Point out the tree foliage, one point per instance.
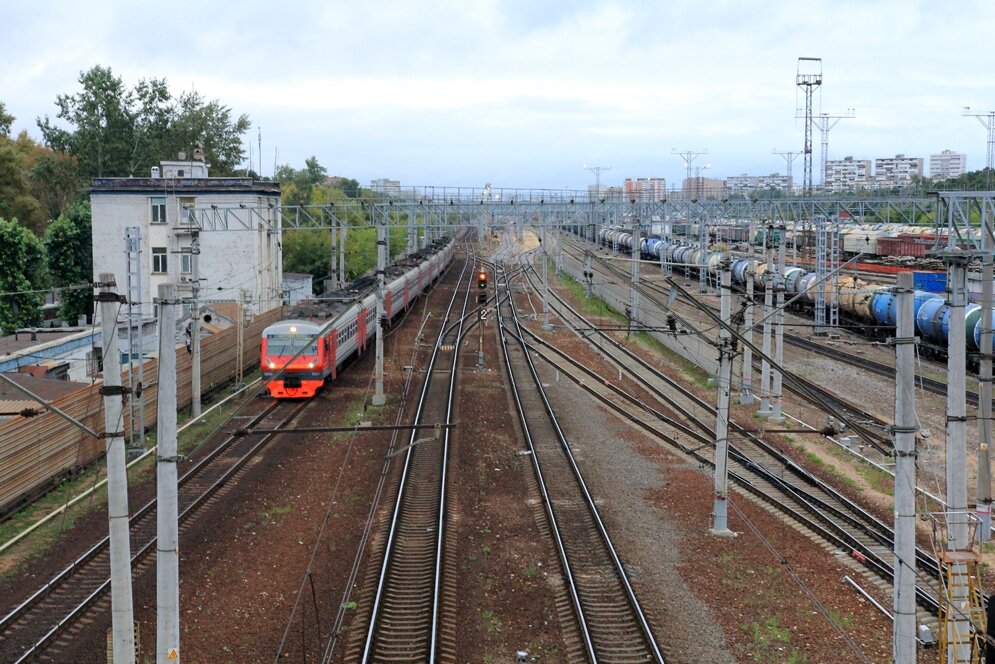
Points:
(17, 199)
(69, 248)
(6, 120)
(22, 258)
(116, 131)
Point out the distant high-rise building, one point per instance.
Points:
(745, 184)
(386, 187)
(847, 174)
(702, 188)
(897, 171)
(948, 164)
(597, 191)
(646, 189)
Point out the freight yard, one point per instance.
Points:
(583, 452)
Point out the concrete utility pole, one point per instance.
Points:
(720, 510)
(195, 325)
(904, 595)
(746, 393)
(378, 394)
(983, 502)
(588, 274)
(545, 274)
(768, 315)
(634, 293)
(776, 416)
(167, 566)
(343, 233)
(122, 614)
(333, 255)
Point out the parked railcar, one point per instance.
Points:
(301, 354)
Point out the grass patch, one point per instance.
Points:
(770, 641)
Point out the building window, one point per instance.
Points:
(187, 204)
(186, 260)
(158, 209)
(159, 260)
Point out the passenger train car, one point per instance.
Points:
(299, 354)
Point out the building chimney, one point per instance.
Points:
(198, 153)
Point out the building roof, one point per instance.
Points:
(46, 388)
(180, 186)
(22, 339)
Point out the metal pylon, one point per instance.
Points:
(821, 273)
(833, 266)
(136, 343)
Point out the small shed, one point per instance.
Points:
(297, 287)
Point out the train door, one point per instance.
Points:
(361, 331)
(388, 305)
(407, 293)
(332, 349)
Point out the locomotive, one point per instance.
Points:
(300, 354)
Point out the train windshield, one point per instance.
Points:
(290, 344)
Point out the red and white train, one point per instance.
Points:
(322, 348)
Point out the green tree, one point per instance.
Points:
(350, 187)
(6, 120)
(68, 246)
(210, 124)
(307, 252)
(23, 258)
(117, 131)
(16, 198)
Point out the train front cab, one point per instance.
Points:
(303, 376)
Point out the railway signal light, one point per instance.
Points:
(482, 280)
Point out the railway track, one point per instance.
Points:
(674, 414)
(611, 624)
(41, 627)
(406, 619)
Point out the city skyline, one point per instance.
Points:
(522, 95)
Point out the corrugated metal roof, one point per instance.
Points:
(47, 388)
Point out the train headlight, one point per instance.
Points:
(272, 364)
(310, 365)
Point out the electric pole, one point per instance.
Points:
(688, 156)
(789, 158)
(720, 509)
(904, 626)
(597, 177)
(122, 613)
(808, 77)
(378, 394)
(194, 324)
(825, 122)
(988, 122)
(167, 535)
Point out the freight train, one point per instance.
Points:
(871, 240)
(867, 305)
(301, 353)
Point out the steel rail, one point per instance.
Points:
(589, 500)
(883, 534)
(77, 611)
(392, 534)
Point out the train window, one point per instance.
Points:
(290, 344)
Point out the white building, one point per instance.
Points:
(847, 174)
(167, 211)
(386, 187)
(745, 184)
(897, 171)
(948, 164)
(297, 286)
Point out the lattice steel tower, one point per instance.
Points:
(808, 77)
(825, 122)
(988, 120)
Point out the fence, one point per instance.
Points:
(35, 450)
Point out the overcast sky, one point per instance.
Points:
(524, 93)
